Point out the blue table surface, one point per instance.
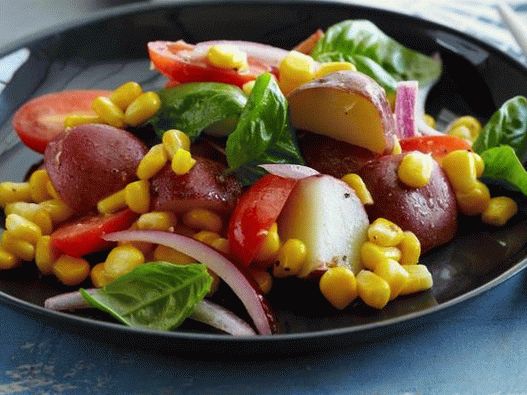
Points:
(478, 347)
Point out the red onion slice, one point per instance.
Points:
(252, 299)
(296, 172)
(68, 301)
(405, 108)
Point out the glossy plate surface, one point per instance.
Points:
(110, 49)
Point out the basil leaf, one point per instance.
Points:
(502, 164)
(196, 106)
(263, 134)
(157, 295)
(348, 40)
(507, 126)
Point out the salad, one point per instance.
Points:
(252, 165)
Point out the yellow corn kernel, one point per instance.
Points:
(429, 120)
(499, 211)
(20, 248)
(57, 209)
(385, 233)
(167, 254)
(356, 183)
(216, 280)
(373, 289)
(157, 220)
(73, 120)
(142, 109)
(270, 246)
(38, 183)
(291, 258)
(71, 271)
(410, 248)
(152, 162)
(460, 168)
(137, 196)
(394, 274)
(298, 67)
(419, 279)
(22, 228)
(173, 140)
(396, 150)
(206, 236)
(33, 212)
(182, 162)
(11, 192)
(339, 286)
(203, 219)
(475, 201)
(332, 67)
(248, 87)
(52, 191)
(221, 244)
(112, 203)
(125, 94)
(371, 254)
(263, 279)
(108, 112)
(462, 132)
(8, 260)
(227, 56)
(470, 123)
(121, 260)
(98, 276)
(480, 165)
(45, 255)
(415, 169)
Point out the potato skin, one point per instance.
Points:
(90, 162)
(430, 212)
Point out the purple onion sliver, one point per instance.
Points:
(405, 108)
(296, 172)
(220, 318)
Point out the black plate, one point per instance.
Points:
(109, 49)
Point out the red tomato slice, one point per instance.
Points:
(256, 211)
(184, 62)
(83, 236)
(39, 120)
(438, 146)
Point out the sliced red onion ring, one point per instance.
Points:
(252, 299)
(405, 108)
(296, 172)
(422, 126)
(68, 301)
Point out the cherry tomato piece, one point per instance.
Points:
(438, 146)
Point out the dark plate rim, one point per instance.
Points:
(384, 324)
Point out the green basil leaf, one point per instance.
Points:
(349, 39)
(502, 164)
(196, 106)
(157, 295)
(507, 126)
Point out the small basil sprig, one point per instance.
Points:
(156, 295)
(502, 164)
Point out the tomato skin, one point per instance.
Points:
(257, 209)
(438, 146)
(39, 120)
(83, 236)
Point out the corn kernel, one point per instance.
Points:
(371, 254)
(152, 162)
(298, 67)
(227, 56)
(20, 248)
(410, 248)
(372, 289)
(157, 220)
(22, 228)
(8, 260)
(394, 274)
(221, 244)
(470, 123)
(121, 260)
(182, 162)
(137, 196)
(11, 192)
(125, 94)
(332, 67)
(112, 203)
(385, 233)
(73, 120)
(71, 271)
(475, 201)
(291, 258)
(167, 254)
(108, 112)
(142, 109)
(270, 246)
(356, 183)
(203, 219)
(480, 165)
(38, 184)
(263, 279)
(415, 169)
(419, 279)
(98, 276)
(429, 120)
(206, 236)
(33, 212)
(396, 150)
(45, 255)
(499, 211)
(460, 168)
(173, 140)
(57, 209)
(248, 87)
(52, 191)
(339, 286)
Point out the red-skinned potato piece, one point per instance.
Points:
(430, 212)
(204, 186)
(90, 162)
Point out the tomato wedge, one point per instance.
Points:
(83, 236)
(39, 120)
(256, 211)
(438, 146)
